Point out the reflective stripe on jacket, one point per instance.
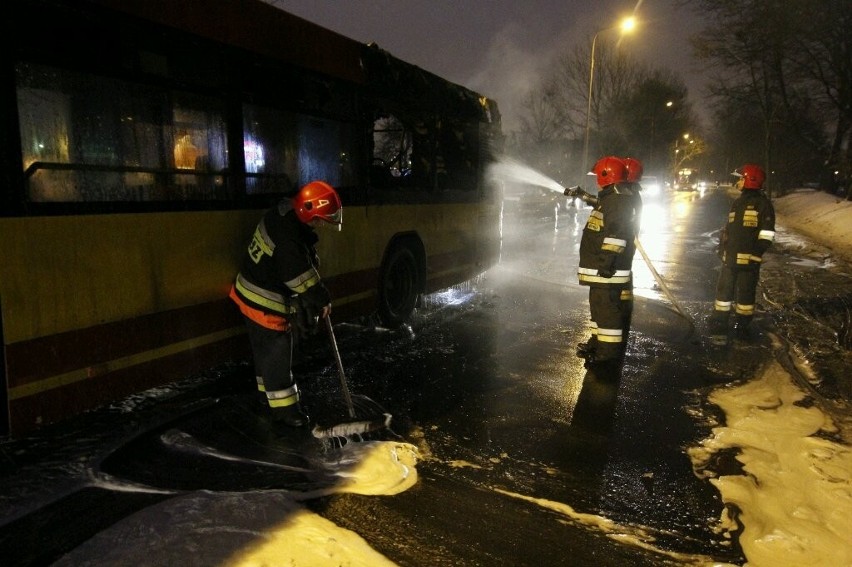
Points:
(750, 229)
(268, 320)
(280, 263)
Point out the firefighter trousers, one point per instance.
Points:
(736, 290)
(273, 354)
(609, 320)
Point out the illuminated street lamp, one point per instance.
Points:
(626, 26)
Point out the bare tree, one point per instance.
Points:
(627, 114)
(541, 119)
(821, 63)
(789, 62)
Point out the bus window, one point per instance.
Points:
(199, 149)
(91, 139)
(392, 148)
(458, 152)
(285, 150)
(325, 151)
(270, 145)
(425, 155)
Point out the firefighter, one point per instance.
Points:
(634, 178)
(279, 290)
(744, 239)
(605, 264)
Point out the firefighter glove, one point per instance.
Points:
(608, 269)
(309, 308)
(298, 321)
(723, 240)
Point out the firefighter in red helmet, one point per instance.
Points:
(635, 170)
(605, 265)
(747, 235)
(279, 288)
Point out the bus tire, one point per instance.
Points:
(400, 285)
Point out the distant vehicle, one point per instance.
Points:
(687, 180)
(651, 186)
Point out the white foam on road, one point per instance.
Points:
(794, 496)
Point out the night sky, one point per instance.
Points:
(498, 47)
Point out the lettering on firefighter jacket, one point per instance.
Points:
(608, 242)
(280, 265)
(750, 230)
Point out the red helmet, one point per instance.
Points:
(634, 169)
(610, 170)
(752, 175)
(318, 200)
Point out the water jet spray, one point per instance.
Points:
(512, 170)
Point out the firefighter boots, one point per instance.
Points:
(291, 416)
(586, 350)
(742, 331)
(607, 370)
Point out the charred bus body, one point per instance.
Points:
(142, 141)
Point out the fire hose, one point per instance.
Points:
(662, 283)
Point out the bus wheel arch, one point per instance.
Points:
(402, 279)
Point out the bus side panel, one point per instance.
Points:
(54, 404)
(74, 272)
(84, 297)
(55, 360)
(461, 239)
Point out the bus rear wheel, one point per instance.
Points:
(399, 286)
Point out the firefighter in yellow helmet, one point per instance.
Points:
(746, 236)
(279, 288)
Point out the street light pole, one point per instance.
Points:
(626, 25)
(584, 170)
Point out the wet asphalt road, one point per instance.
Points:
(528, 458)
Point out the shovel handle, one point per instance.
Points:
(347, 396)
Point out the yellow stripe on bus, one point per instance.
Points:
(82, 374)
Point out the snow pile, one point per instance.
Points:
(256, 528)
(794, 498)
(824, 218)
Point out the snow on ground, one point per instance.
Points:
(794, 498)
(258, 528)
(824, 218)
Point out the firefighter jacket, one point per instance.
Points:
(278, 275)
(608, 245)
(636, 189)
(749, 231)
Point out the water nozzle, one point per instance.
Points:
(578, 192)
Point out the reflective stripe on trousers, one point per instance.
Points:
(283, 398)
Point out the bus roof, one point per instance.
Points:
(255, 26)
(260, 27)
(424, 91)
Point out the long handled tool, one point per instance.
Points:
(662, 283)
(376, 419)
